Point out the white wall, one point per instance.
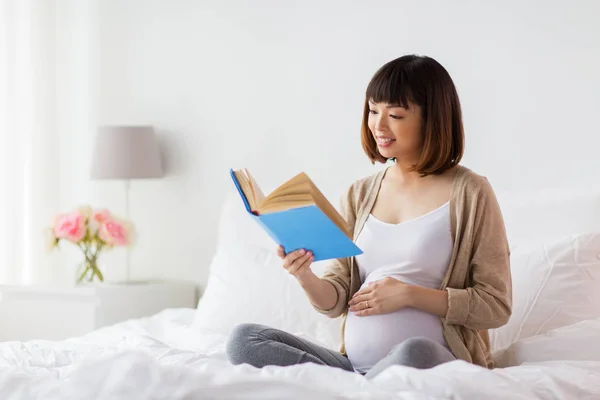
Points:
(277, 86)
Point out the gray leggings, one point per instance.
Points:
(259, 345)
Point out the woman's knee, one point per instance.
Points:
(419, 352)
(238, 343)
(414, 345)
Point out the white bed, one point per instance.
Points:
(179, 354)
(163, 357)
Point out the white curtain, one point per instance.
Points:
(28, 143)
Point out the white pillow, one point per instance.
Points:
(554, 285)
(247, 283)
(572, 342)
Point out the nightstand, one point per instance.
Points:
(55, 313)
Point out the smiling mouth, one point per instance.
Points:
(383, 142)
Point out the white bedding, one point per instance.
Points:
(164, 357)
(179, 354)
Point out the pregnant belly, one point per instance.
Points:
(369, 339)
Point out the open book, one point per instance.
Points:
(297, 215)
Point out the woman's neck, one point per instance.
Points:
(403, 175)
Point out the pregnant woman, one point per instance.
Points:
(434, 275)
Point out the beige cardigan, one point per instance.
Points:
(478, 279)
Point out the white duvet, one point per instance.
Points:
(163, 357)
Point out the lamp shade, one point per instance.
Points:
(126, 152)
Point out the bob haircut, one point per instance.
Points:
(423, 81)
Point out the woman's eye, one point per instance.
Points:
(396, 116)
(372, 112)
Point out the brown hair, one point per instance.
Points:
(425, 82)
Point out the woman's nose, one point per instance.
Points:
(380, 124)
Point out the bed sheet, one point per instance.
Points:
(164, 357)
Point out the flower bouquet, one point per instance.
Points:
(93, 231)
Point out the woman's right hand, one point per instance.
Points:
(297, 262)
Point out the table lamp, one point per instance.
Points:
(126, 153)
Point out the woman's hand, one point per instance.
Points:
(297, 262)
(380, 297)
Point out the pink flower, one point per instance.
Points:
(70, 226)
(114, 233)
(101, 215)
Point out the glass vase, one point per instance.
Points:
(88, 271)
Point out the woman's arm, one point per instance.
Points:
(487, 302)
(321, 293)
(337, 273)
(433, 301)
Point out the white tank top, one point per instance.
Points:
(416, 252)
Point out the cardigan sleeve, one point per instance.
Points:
(338, 270)
(487, 301)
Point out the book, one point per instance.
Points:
(296, 215)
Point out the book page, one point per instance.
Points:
(295, 185)
(300, 191)
(329, 210)
(291, 191)
(287, 204)
(259, 196)
(245, 186)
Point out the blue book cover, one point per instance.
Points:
(303, 228)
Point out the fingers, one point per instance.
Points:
(366, 312)
(359, 299)
(280, 252)
(366, 306)
(301, 262)
(366, 290)
(290, 258)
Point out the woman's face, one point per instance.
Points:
(396, 130)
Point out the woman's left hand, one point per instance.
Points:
(380, 297)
